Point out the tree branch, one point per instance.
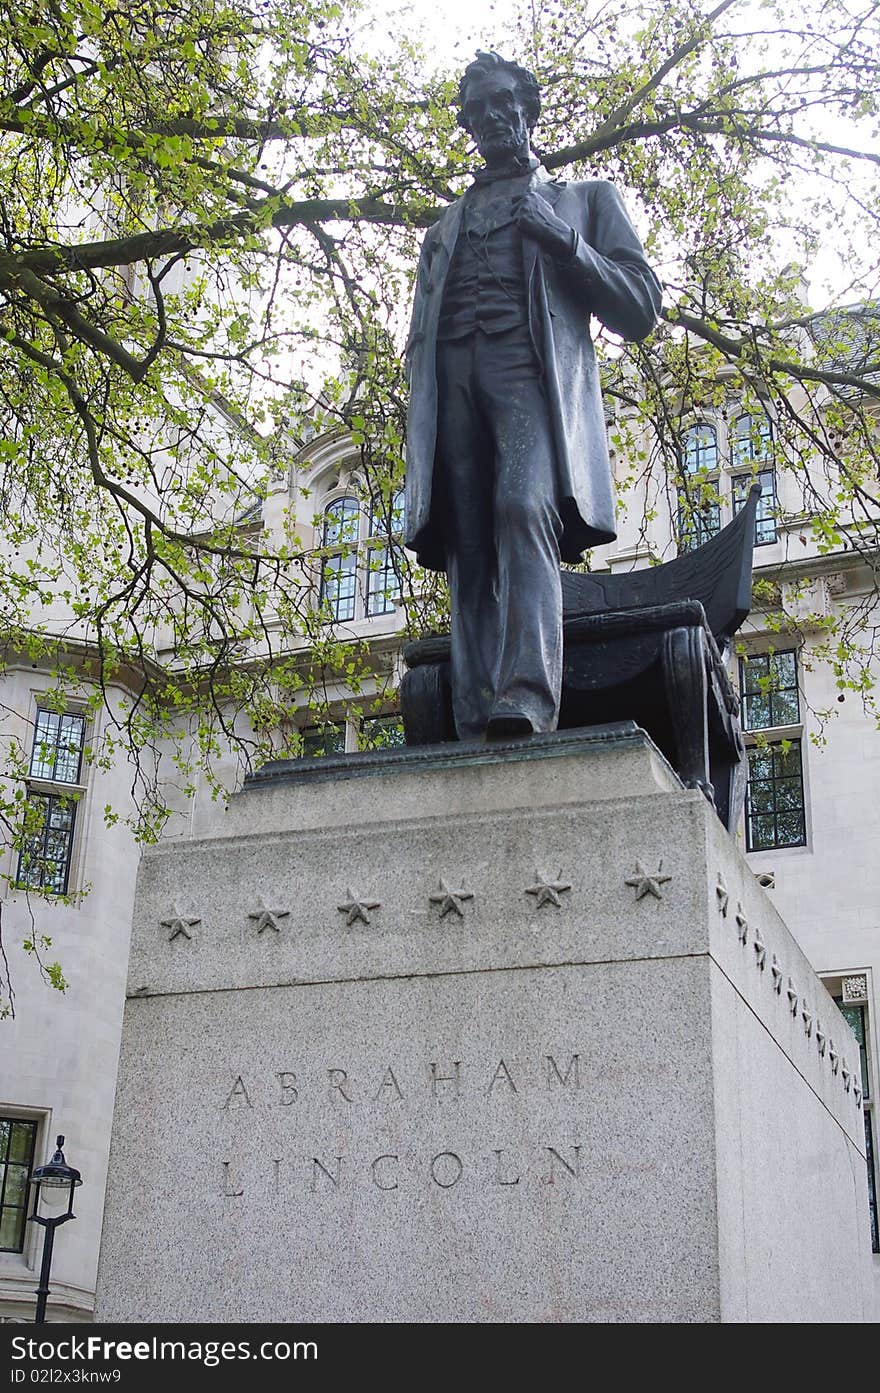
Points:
(143, 246)
(740, 348)
(59, 306)
(618, 116)
(716, 124)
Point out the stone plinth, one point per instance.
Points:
(503, 1033)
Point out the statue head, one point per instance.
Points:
(499, 104)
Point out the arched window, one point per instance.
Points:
(716, 474)
(752, 440)
(701, 449)
(383, 554)
(699, 508)
(362, 560)
(339, 570)
(752, 452)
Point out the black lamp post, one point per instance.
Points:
(55, 1182)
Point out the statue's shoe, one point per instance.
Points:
(506, 722)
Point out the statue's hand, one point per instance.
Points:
(537, 219)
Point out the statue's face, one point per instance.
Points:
(494, 114)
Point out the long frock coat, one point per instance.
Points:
(607, 276)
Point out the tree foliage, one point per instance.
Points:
(209, 220)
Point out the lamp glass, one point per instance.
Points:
(55, 1194)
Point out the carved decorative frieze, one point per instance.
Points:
(835, 583)
(854, 989)
(776, 974)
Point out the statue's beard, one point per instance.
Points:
(503, 146)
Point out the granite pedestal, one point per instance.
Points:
(473, 1033)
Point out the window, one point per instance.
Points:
(697, 521)
(753, 451)
(775, 809)
(44, 863)
(855, 1013)
(716, 479)
(56, 759)
(770, 690)
(323, 740)
(58, 746)
(17, 1140)
(360, 574)
(765, 517)
(383, 557)
(753, 440)
(699, 509)
(339, 571)
(701, 449)
(351, 732)
(381, 732)
(870, 1156)
(775, 814)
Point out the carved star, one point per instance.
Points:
(179, 923)
(547, 891)
(267, 918)
(776, 973)
(357, 910)
(646, 883)
(792, 997)
(742, 924)
(760, 949)
(723, 896)
(450, 901)
(834, 1056)
(807, 1018)
(820, 1038)
(857, 1090)
(846, 1072)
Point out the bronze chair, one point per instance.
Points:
(648, 645)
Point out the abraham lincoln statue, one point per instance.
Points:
(507, 461)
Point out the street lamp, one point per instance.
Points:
(55, 1182)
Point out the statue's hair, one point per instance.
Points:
(527, 84)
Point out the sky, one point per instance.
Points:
(456, 27)
(460, 27)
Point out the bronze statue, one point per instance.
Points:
(507, 460)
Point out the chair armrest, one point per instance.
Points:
(595, 628)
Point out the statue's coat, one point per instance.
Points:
(609, 277)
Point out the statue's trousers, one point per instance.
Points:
(495, 480)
